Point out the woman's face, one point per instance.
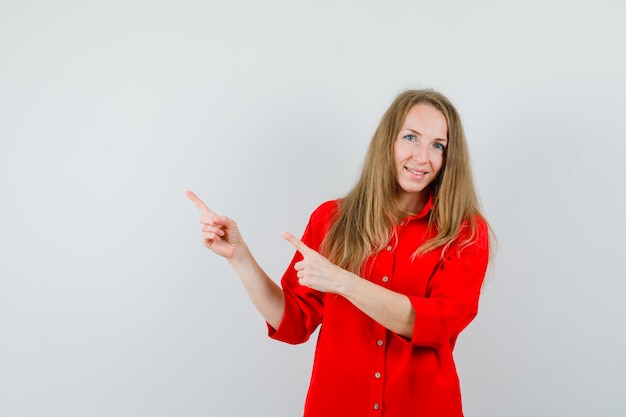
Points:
(419, 154)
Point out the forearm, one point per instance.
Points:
(265, 294)
(390, 309)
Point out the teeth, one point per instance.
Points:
(416, 172)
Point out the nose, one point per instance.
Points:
(420, 153)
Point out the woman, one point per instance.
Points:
(392, 271)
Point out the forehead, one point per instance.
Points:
(426, 120)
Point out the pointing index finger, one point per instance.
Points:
(199, 203)
(296, 243)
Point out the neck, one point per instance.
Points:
(413, 203)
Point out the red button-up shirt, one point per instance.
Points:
(362, 369)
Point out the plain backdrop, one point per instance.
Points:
(109, 111)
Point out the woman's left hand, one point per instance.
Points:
(391, 309)
(316, 271)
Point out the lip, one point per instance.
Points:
(416, 172)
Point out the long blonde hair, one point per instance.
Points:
(368, 213)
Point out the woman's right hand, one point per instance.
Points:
(219, 233)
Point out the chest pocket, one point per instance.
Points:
(400, 271)
(412, 274)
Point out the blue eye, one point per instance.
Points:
(410, 138)
(439, 146)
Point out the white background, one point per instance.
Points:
(109, 111)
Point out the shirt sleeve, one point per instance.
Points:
(304, 306)
(451, 301)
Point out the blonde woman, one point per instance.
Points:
(392, 272)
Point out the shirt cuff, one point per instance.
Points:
(289, 330)
(427, 326)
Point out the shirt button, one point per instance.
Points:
(379, 342)
(377, 375)
(389, 248)
(385, 278)
(376, 406)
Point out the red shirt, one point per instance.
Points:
(362, 369)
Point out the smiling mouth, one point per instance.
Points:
(415, 172)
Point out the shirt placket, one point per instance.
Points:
(379, 343)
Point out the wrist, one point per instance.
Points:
(241, 256)
(347, 284)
